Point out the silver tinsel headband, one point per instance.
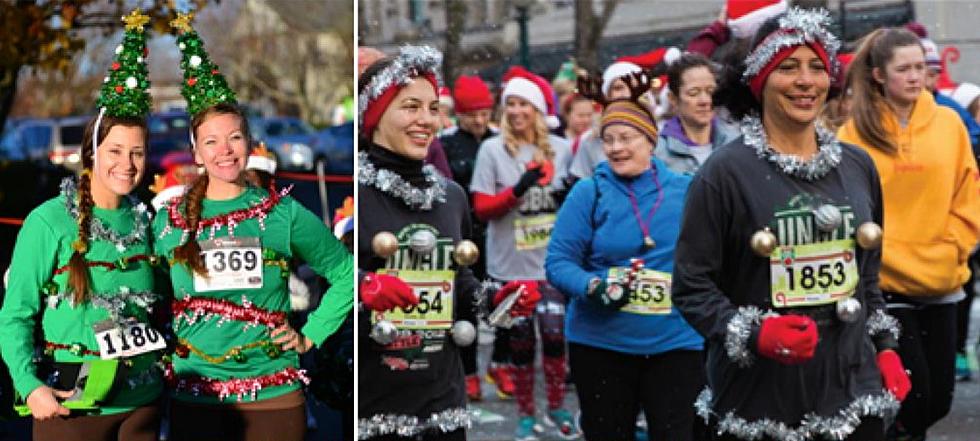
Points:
(798, 27)
(411, 62)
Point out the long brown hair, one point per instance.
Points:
(190, 251)
(78, 274)
(875, 51)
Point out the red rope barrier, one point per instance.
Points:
(11, 221)
(313, 178)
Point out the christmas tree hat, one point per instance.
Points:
(124, 90)
(203, 85)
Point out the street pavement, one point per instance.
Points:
(497, 419)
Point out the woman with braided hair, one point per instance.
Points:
(235, 370)
(778, 257)
(81, 274)
(629, 209)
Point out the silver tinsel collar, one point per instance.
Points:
(827, 158)
(411, 62)
(797, 27)
(97, 230)
(837, 427)
(881, 321)
(406, 425)
(393, 185)
(739, 330)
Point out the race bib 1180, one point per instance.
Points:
(232, 263)
(813, 274)
(434, 290)
(132, 339)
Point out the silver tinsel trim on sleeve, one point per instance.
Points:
(827, 158)
(739, 329)
(411, 62)
(837, 427)
(797, 27)
(406, 425)
(98, 230)
(392, 184)
(881, 321)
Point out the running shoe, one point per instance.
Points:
(563, 423)
(526, 430)
(499, 375)
(473, 388)
(962, 367)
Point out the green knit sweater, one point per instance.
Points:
(35, 292)
(226, 358)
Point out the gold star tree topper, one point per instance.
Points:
(183, 22)
(135, 20)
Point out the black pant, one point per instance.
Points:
(964, 306)
(871, 429)
(613, 387)
(928, 349)
(456, 435)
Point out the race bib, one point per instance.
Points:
(232, 263)
(813, 274)
(531, 233)
(133, 339)
(434, 290)
(652, 293)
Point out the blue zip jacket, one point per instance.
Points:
(591, 235)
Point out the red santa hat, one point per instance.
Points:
(179, 171)
(261, 159)
(520, 82)
(647, 61)
(445, 98)
(745, 16)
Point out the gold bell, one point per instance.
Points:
(384, 244)
(466, 253)
(869, 235)
(764, 242)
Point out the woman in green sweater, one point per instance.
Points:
(81, 270)
(235, 372)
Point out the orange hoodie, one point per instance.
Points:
(931, 197)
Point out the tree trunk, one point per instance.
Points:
(8, 89)
(452, 56)
(588, 32)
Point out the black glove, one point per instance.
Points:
(608, 295)
(528, 179)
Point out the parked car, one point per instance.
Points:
(335, 147)
(169, 132)
(48, 141)
(289, 138)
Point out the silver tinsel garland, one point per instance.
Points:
(881, 321)
(406, 425)
(411, 62)
(114, 303)
(827, 158)
(739, 330)
(393, 185)
(797, 27)
(837, 427)
(97, 230)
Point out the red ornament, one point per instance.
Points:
(146, 51)
(119, 89)
(191, 81)
(115, 65)
(241, 387)
(182, 351)
(214, 71)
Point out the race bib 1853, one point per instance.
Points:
(232, 263)
(434, 290)
(813, 274)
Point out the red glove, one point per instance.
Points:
(547, 171)
(788, 339)
(525, 303)
(381, 292)
(893, 374)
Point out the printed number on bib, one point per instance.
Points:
(133, 339)
(434, 290)
(232, 263)
(813, 274)
(652, 293)
(532, 233)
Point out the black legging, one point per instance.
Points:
(964, 307)
(928, 349)
(613, 387)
